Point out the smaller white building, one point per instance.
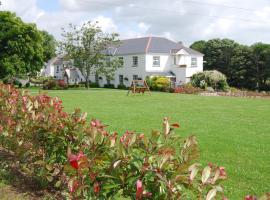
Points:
(60, 69)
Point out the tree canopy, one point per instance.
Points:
(245, 66)
(88, 47)
(49, 45)
(23, 47)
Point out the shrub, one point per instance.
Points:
(214, 79)
(27, 85)
(121, 86)
(94, 85)
(61, 149)
(49, 84)
(39, 79)
(187, 89)
(16, 82)
(108, 86)
(159, 83)
(52, 84)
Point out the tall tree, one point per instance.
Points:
(87, 46)
(49, 45)
(20, 46)
(241, 68)
(261, 70)
(199, 45)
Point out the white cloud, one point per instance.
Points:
(106, 24)
(175, 19)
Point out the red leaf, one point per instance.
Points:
(175, 125)
(139, 191)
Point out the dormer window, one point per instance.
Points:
(156, 61)
(193, 62)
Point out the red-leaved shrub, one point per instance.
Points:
(84, 161)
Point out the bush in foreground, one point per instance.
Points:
(83, 160)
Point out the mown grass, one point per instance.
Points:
(232, 132)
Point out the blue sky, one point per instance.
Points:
(246, 21)
(48, 5)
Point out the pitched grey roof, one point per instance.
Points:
(56, 61)
(148, 45)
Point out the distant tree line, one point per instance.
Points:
(245, 66)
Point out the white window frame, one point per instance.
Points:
(194, 62)
(121, 79)
(135, 60)
(57, 69)
(156, 61)
(135, 77)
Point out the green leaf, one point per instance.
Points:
(49, 167)
(49, 178)
(58, 184)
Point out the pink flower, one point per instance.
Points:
(139, 191)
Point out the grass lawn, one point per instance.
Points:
(232, 132)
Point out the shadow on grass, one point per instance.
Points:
(19, 185)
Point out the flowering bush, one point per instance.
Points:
(139, 167)
(159, 83)
(54, 85)
(214, 79)
(187, 89)
(61, 149)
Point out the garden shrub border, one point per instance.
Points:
(83, 160)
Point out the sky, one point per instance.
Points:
(245, 21)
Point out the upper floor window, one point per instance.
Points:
(57, 69)
(193, 62)
(156, 61)
(121, 60)
(135, 61)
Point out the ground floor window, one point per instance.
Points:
(135, 77)
(108, 81)
(121, 79)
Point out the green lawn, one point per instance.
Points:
(232, 132)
